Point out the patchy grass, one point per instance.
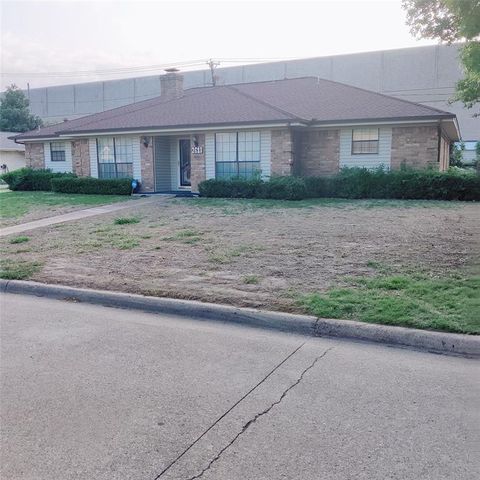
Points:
(21, 239)
(14, 205)
(185, 236)
(126, 220)
(234, 206)
(450, 303)
(18, 270)
(251, 280)
(228, 255)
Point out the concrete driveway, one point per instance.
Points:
(96, 393)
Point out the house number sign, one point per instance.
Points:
(197, 150)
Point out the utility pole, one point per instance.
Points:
(212, 65)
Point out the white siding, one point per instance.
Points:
(137, 166)
(58, 167)
(265, 153)
(174, 163)
(366, 160)
(209, 155)
(92, 146)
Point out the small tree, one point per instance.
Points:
(456, 154)
(14, 113)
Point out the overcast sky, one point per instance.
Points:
(46, 42)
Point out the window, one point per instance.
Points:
(57, 151)
(364, 141)
(237, 154)
(115, 157)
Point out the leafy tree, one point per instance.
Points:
(450, 21)
(456, 155)
(14, 113)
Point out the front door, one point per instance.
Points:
(184, 147)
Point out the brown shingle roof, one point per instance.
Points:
(302, 100)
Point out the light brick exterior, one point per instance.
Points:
(197, 173)
(34, 155)
(282, 152)
(415, 147)
(81, 157)
(147, 165)
(317, 152)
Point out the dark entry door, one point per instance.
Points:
(184, 163)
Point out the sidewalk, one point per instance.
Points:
(77, 215)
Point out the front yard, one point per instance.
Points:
(397, 262)
(21, 207)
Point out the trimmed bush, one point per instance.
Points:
(233, 188)
(89, 185)
(28, 179)
(354, 183)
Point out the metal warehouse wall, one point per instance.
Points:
(425, 75)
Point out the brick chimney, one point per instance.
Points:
(171, 84)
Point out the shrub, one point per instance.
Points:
(354, 183)
(233, 188)
(28, 179)
(89, 185)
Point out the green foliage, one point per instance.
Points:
(449, 21)
(14, 113)
(456, 155)
(355, 183)
(27, 179)
(450, 304)
(89, 185)
(126, 220)
(21, 239)
(18, 270)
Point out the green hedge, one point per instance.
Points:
(354, 183)
(28, 179)
(89, 185)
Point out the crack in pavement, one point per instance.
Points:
(258, 415)
(274, 369)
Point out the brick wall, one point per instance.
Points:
(282, 152)
(34, 155)
(317, 152)
(81, 157)
(415, 147)
(197, 173)
(147, 165)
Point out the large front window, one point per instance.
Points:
(237, 154)
(115, 157)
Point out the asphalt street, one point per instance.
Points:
(90, 392)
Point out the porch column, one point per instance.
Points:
(147, 164)
(197, 160)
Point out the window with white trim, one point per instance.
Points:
(57, 152)
(365, 141)
(115, 157)
(237, 154)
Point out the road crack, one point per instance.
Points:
(247, 425)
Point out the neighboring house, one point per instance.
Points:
(304, 126)
(469, 155)
(12, 155)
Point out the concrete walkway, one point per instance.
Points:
(77, 215)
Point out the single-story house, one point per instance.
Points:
(302, 126)
(12, 154)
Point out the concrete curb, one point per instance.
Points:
(437, 342)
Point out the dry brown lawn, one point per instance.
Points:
(250, 253)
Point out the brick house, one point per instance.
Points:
(303, 126)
